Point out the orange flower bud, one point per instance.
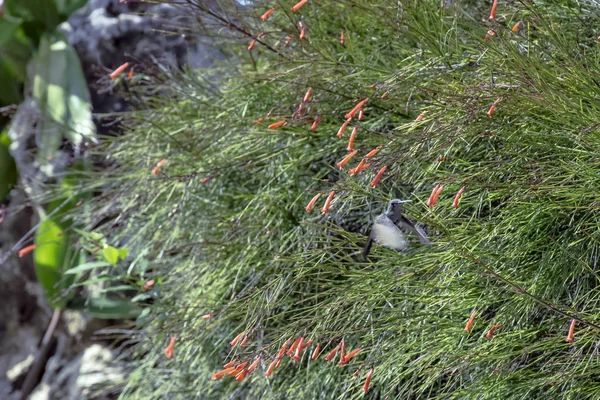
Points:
(458, 196)
(277, 124)
(292, 348)
(490, 333)
(303, 32)
(315, 124)
(361, 114)
(471, 321)
(26, 250)
(148, 285)
(258, 121)
(115, 74)
(342, 41)
(368, 381)
(237, 338)
(229, 364)
(375, 180)
(420, 117)
(271, 368)
(299, 5)
(515, 28)
(315, 353)
(311, 203)
(351, 141)
(332, 353)
(169, 349)
(350, 355)
(343, 127)
(222, 373)
(569, 338)
(356, 108)
(253, 366)
(130, 74)
(266, 15)
(325, 208)
(306, 98)
(493, 13)
(346, 159)
(373, 152)
(252, 44)
(342, 354)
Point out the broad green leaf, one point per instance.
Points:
(123, 253)
(60, 89)
(106, 308)
(8, 169)
(111, 254)
(41, 11)
(87, 266)
(143, 317)
(52, 254)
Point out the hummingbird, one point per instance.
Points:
(390, 229)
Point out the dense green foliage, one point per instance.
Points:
(521, 248)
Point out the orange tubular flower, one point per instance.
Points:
(243, 344)
(26, 250)
(342, 41)
(222, 373)
(385, 95)
(490, 333)
(299, 348)
(471, 321)
(342, 354)
(350, 355)
(241, 375)
(489, 34)
(237, 338)
(169, 349)
(306, 98)
(437, 194)
(368, 381)
(292, 348)
(375, 180)
(281, 352)
(373, 152)
(361, 165)
(315, 124)
(569, 338)
(315, 353)
(493, 13)
(266, 15)
(115, 74)
(432, 196)
(458, 196)
(253, 366)
(130, 74)
(207, 316)
(161, 163)
(252, 44)
(346, 159)
(148, 285)
(420, 117)
(299, 5)
(239, 368)
(351, 141)
(271, 368)
(490, 112)
(515, 28)
(258, 121)
(277, 124)
(311, 203)
(325, 208)
(303, 32)
(361, 114)
(343, 127)
(356, 108)
(205, 180)
(332, 353)
(229, 364)
(306, 344)
(492, 108)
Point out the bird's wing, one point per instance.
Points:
(420, 233)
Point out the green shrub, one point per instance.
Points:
(521, 248)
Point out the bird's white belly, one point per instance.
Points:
(389, 236)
